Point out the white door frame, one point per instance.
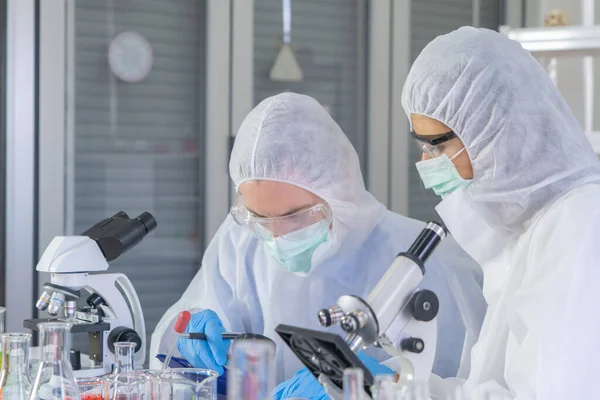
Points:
(20, 162)
(400, 142)
(52, 164)
(388, 129)
(218, 122)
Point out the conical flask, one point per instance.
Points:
(124, 357)
(54, 379)
(15, 382)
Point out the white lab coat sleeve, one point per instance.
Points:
(216, 286)
(554, 339)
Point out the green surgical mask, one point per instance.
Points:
(441, 175)
(296, 255)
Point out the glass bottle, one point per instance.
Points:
(15, 382)
(54, 379)
(124, 357)
(251, 375)
(354, 384)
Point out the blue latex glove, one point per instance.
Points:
(304, 384)
(210, 353)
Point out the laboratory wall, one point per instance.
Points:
(97, 133)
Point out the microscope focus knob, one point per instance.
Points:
(124, 334)
(413, 345)
(424, 305)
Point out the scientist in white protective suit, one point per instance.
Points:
(520, 185)
(303, 231)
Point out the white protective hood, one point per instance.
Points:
(526, 147)
(317, 157)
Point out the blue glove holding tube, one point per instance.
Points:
(210, 353)
(305, 385)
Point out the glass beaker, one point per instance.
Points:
(54, 378)
(92, 388)
(354, 384)
(132, 386)
(251, 375)
(15, 382)
(188, 384)
(124, 357)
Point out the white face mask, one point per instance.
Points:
(441, 175)
(296, 255)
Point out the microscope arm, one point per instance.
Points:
(138, 317)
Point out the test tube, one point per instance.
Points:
(384, 388)
(251, 375)
(354, 384)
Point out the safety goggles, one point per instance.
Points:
(285, 227)
(434, 146)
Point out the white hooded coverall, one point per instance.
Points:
(291, 138)
(530, 217)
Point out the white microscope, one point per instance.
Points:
(113, 312)
(396, 316)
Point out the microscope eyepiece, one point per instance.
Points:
(119, 233)
(148, 221)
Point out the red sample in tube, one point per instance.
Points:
(182, 322)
